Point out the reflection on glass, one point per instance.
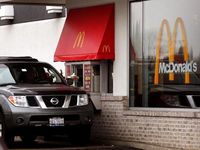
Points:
(164, 52)
(135, 53)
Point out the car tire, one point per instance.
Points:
(6, 135)
(80, 135)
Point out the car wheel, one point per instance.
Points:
(80, 135)
(6, 135)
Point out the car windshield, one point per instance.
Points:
(28, 73)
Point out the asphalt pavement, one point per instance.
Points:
(60, 144)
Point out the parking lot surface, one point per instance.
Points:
(62, 144)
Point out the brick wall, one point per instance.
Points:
(147, 128)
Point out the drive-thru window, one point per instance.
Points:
(86, 46)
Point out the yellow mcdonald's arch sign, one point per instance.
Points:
(171, 49)
(78, 43)
(106, 49)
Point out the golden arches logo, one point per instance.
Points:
(106, 49)
(78, 43)
(171, 47)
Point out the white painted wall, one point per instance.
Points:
(37, 39)
(121, 64)
(121, 71)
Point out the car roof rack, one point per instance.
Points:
(21, 58)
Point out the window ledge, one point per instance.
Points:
(163, 112)
(110, 97)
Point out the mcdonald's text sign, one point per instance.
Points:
(173, 67)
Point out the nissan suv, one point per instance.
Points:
(36, 100)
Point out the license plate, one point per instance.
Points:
(56, 121)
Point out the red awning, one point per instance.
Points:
(88, 34)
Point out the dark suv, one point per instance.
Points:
(36, 100)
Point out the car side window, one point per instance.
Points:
(5, 75)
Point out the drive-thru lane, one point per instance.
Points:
(57, 143)
(62, 144)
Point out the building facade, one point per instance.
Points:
(35, 33)
(154, 99)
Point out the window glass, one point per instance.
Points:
(78, 71)
(5, 75)
(34, 73)
(136, 54)
(196, 101)
(164, 53)
(51, 75)
(110, 76)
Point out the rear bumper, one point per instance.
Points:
(38, 120)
